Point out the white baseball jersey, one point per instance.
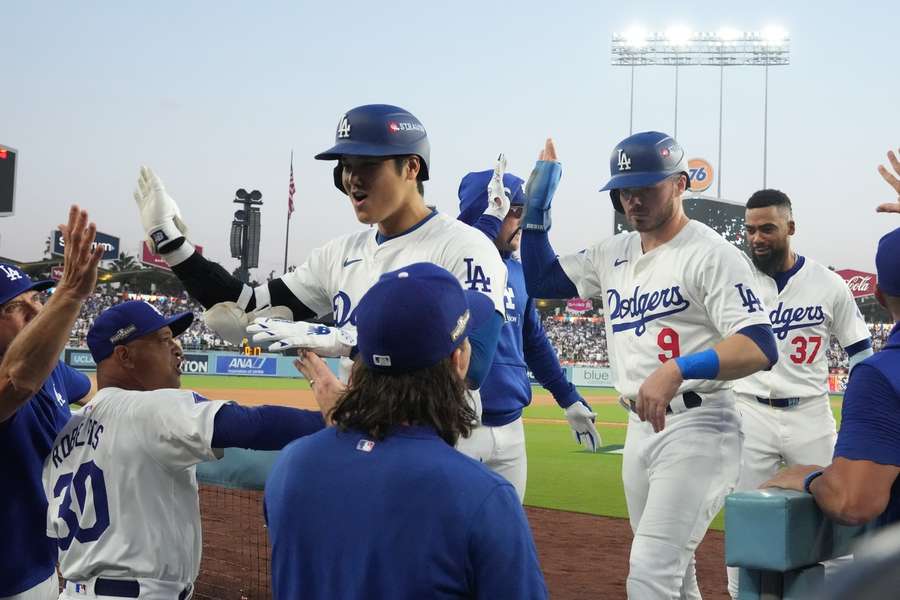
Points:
(814, 305)
(680, 298)
(122, 486)
(336, 276)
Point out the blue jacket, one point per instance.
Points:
(28, 556)
(870, 416)
(523, 345)
(406, 517)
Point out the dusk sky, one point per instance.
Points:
(215, 95)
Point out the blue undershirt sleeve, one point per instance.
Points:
(542, 360)
(544, 276)
(262, 427)
(484, 345)
(77, 383)
(501, 550)
(762, 336)
(489, 225)
(858, 347)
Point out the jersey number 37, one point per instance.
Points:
(77, 483)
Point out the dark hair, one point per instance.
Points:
(399, 161)
(377, 402)
(769, 197)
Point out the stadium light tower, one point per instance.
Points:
(727, 47)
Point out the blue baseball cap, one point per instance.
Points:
(414, 317)
(14, 281)
(473, 200)
(887, 263)
(128, 321)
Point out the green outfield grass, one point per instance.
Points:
(564, 477)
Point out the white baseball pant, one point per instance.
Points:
(804, 434)
(502, 450)
(675, 484)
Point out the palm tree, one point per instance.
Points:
(125, 262)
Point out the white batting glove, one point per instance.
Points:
(159, 214)
(279, 334)
(498, 200)
(581, 419)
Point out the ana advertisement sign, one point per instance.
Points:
(110, 245)
(245, 365)
(149, 258)
(861, 284)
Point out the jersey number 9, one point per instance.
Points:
(667, 340)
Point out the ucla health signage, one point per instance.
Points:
(246, 365)
(79, 359)
(110, 245)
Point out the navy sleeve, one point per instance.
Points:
(77, 383)
(870, 419)
(544, 277)
(484, 345)
(542, 360)
(501, 550)
(262, 427)
(763, 337)
(858, 347)
(489, 225)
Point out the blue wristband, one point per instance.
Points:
(700, 365)
(809, 479)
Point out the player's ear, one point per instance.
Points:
(413, 166)
(460, 359)
(123, 355)
(792, 227)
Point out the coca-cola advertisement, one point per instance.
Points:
(579, 305)
(862, 284)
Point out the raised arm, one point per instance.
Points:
(35, 351)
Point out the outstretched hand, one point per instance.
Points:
(893, 179)
(498, 201)
(326, 388)
(80, 259)
(549, 151)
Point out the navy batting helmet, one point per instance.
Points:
(378, 130)
(641, 160)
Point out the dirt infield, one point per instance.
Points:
(583, 556)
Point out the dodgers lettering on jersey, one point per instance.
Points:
(336, 276)
(814, 305)
(122, 488)
(680, 298)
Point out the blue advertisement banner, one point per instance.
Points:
(110, 244)
(245, 365)
(79, 359)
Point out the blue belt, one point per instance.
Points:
(691, 400)
(127, 588)
(779, 402)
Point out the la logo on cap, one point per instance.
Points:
(343, 127)
(11, 273)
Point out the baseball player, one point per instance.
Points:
(523, 345)
(786, 417)
(382, 155)
(682, 318)
(389, 508)
(120, 477)
(35, 391)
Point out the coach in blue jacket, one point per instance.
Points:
(382, 505)
(523, 345)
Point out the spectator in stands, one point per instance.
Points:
(390, 508)
(35, 391)
(862, 484)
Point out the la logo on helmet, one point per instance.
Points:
(343, 128)
(624, 161)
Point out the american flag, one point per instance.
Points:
(291, 189)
